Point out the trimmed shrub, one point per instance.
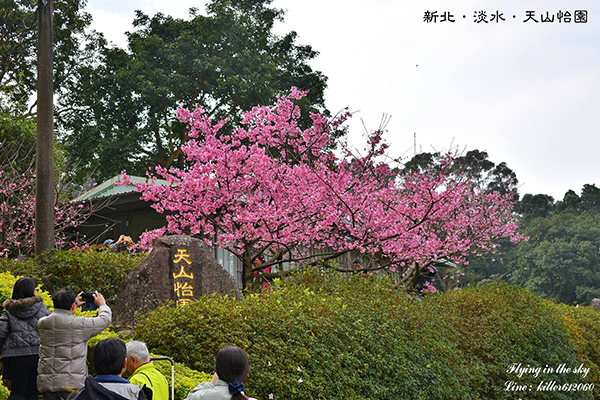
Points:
(350, 337)
(86, 271)
(583, 325)
(185, 378)
(4, 393)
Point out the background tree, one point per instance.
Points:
(476, 165)
(271, 188)
(18, 57)
(225, 62)
(561, 259)
(490, 177)
(535, 206)
(17, 204)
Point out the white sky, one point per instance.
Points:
(527, 93)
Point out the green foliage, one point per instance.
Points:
(4, 393)
(583, 325)
(17, 138)
(494, 326)
(18, 47)
(7, 281)
(185, 378)
(536, 206)
(321, 336)
(86, 271)
(227, 61)
(475, 165)
(561, 259)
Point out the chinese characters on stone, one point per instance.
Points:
(483, 16)
(183, 281)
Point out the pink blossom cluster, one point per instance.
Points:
(17, 213)
(273, 186)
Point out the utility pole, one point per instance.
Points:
(44, 188)
(415, 141)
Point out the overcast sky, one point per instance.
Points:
(528, 93)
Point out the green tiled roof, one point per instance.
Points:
(110, 188)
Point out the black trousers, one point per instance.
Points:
(22, 374)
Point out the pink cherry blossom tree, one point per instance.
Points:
(271, 188)
(17, 206)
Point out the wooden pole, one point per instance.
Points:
(44, 191)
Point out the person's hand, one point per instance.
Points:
(99, 299)
(214, 379)
(78, 300)
(125, 239)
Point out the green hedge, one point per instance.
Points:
(185, 378)
(332, 337)
(86, 271)
(583, 325)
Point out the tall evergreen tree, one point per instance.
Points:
(226, 61)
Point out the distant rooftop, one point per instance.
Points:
(110, 187)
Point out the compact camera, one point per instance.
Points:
(89, 305)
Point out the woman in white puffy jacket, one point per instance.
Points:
(231, 369)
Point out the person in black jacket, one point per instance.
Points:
(20, 340)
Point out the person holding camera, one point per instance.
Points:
(63, 351)
(123, 243)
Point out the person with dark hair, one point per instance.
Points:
(231, 369)
(62, 367)
(358, 264)
(20, 340)
(259, 275)
(110, 361)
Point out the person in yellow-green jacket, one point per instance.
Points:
(143, 371)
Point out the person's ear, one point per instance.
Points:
(73, 308)
(124, 366)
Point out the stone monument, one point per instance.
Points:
(595, 304)
(179, 268)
